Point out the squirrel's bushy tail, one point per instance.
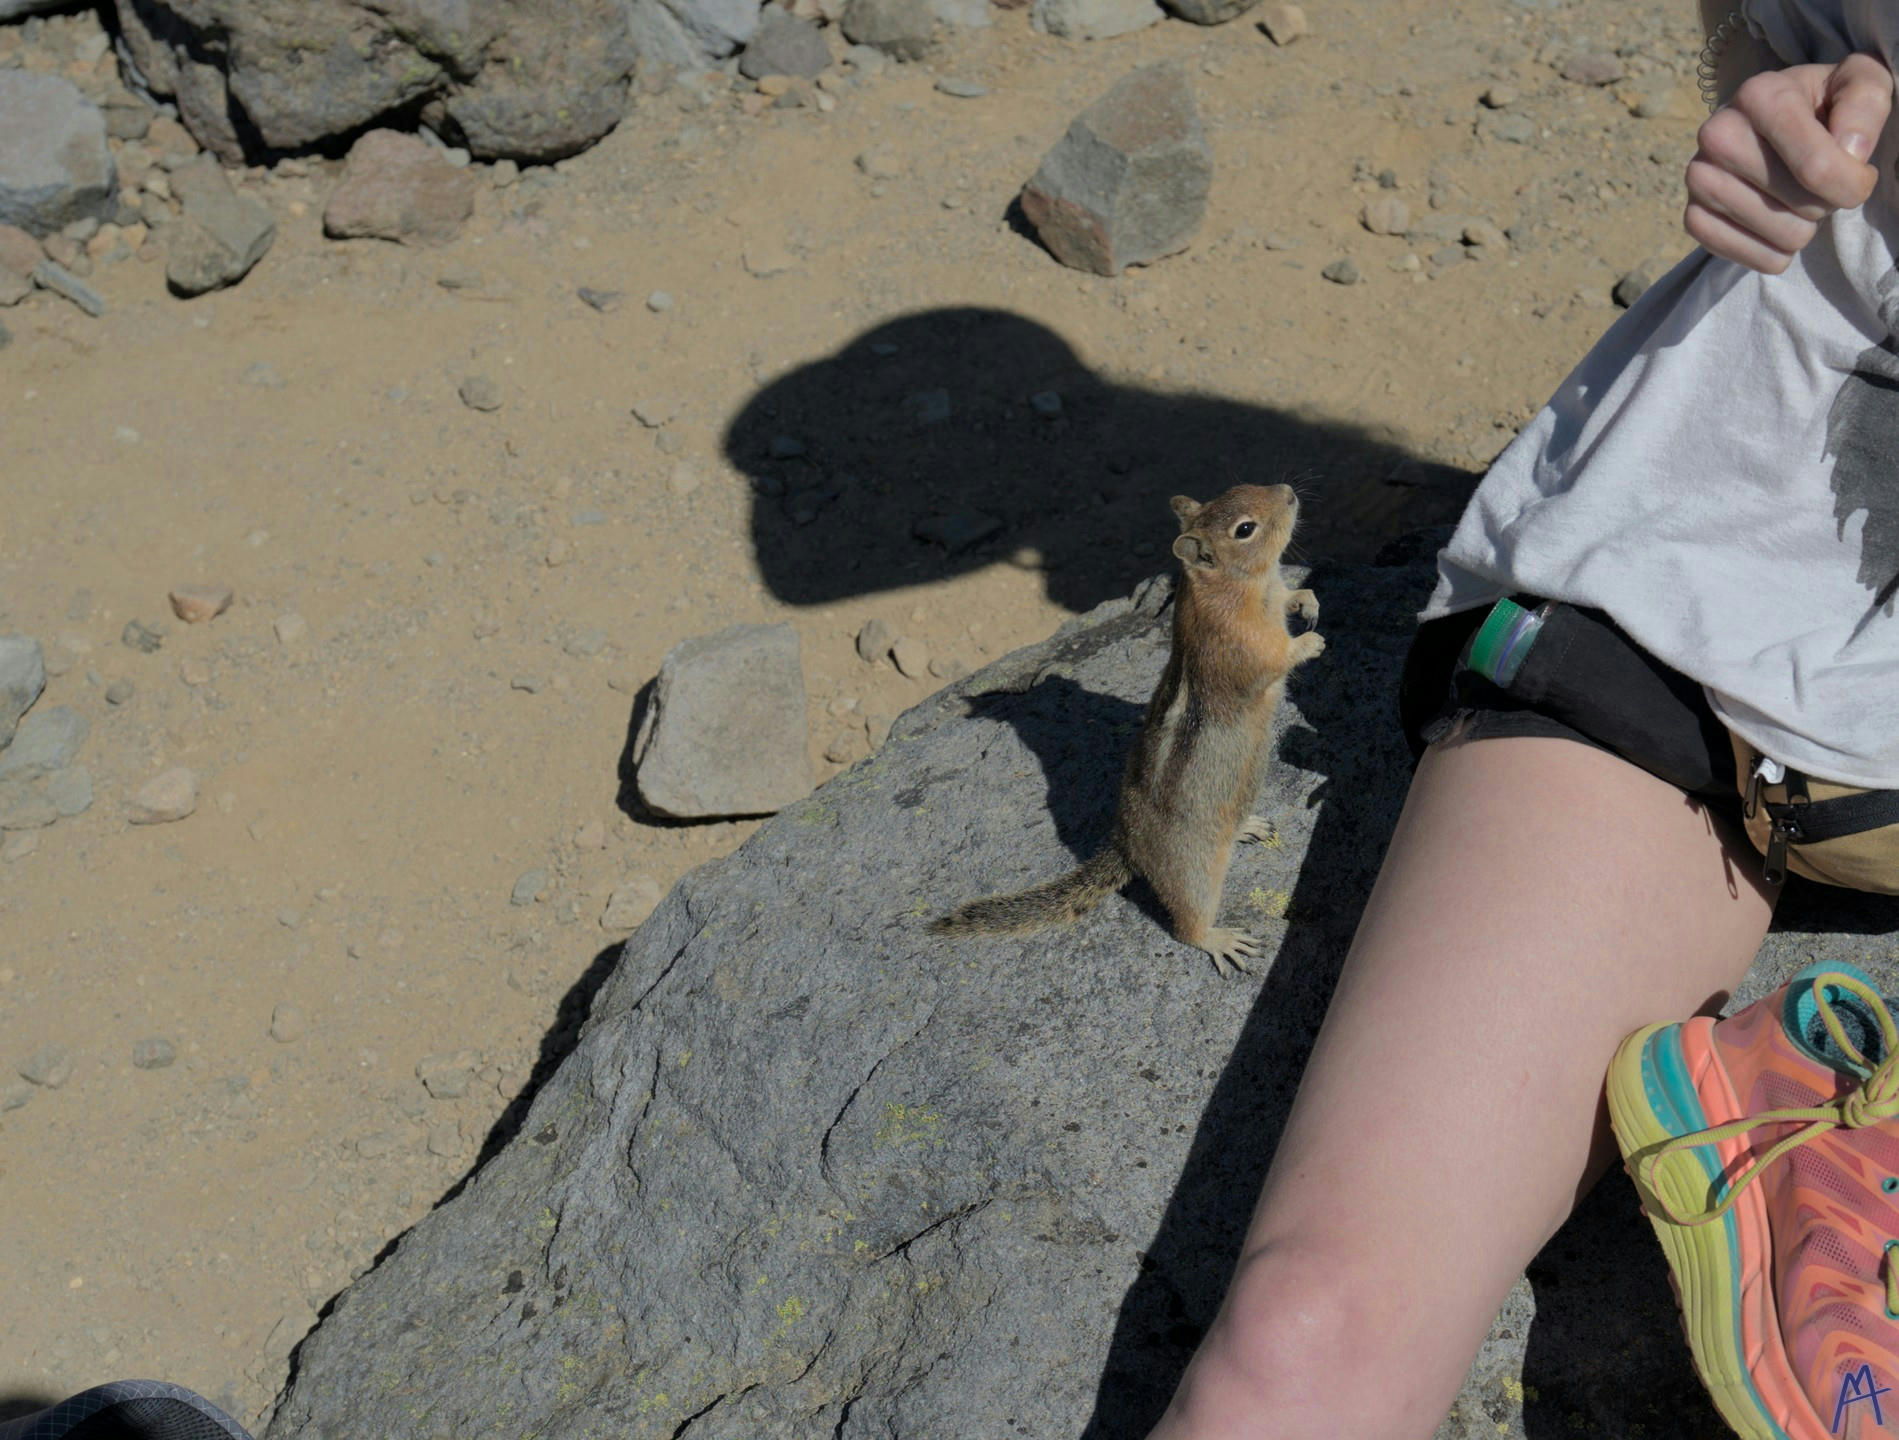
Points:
(1059, 902)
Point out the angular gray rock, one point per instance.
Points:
(222, 235)
(54, 164)
(725, 728)
(691, 34)
(47, 740)
(22, 678)
(528, 81)
(813, 1171)
(1129, 181)
(1093, 19)
(1210, 12)
(901, 29)
(784, 45)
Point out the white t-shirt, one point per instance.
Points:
(1721, 473)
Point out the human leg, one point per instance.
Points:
(1540, 899)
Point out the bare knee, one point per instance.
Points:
(1300, 1349)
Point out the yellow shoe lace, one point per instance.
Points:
(1875, 1101)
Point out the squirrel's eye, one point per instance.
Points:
(1244, 530)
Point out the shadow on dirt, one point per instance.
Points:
(942, 442)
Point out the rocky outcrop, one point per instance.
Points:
(528, 81)
(813, 1170)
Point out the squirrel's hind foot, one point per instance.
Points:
(1230, 949)
(1259, 828)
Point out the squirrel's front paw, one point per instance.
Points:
(1305, 605)
(1309, 646)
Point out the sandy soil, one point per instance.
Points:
(483, 594)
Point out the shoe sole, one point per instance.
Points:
(1665, 1082)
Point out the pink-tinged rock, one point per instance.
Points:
(19, 251)
(194, 604)
(1128, 183)
(164, 798)
(397, 187)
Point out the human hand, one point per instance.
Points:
(1786, 152)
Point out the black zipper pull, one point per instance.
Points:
(1784, 829)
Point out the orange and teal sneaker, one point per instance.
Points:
(1765, 1147)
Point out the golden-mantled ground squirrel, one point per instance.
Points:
(1202, 749)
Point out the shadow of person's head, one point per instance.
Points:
(943, 441)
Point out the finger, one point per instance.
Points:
(1730, 141)
(1859, 102)
(1787, 116)
(1721, 236)
(1749, 208)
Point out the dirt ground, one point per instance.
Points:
(483, 594)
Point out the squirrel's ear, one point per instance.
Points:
(1186, 509)
(1191, 550)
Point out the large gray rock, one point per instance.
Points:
(1093, 19)
(22, 678)
(725, 730)
(1128, 183)
(54, 164)
(811, 1170)
(222, 233)
(528, 81)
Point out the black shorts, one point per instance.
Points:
(1585, 680)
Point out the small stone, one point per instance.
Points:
(222, 234)
(585, 644)
(559, 551)
(1484, 234)
(1633, 285)
(19, 844)
(14, 1094)
(877, 729)
(1343, 271)
(23, 807)
(459, 277)
(164, 798)
(960, 89)
(784, 45)
(62, 282)
(286, 1023)
(1385, 215)
(528, 888)
(901, 29)
(1407, 263)
(1283, 22)
(1498, 97)
(48, 1067)
(1046, 403)
(843, 746)
(154, 1052)
(447, 1077)
(767, 259)
(396, 186)
(682, 480)
(445, 1139)
(141, 637)
(928, 407)
(912, 656)
(873, 641)
(631, 902)
(1512, 129)
(378, 1143)
(1593, 67)
(528, 684)
(289, 628)
(958, 531)
(605, 301)
(591, 836)
(290, 917)
(478, 392)
(46, 740)
(659, 302)
(504, 173)
(194, 604)
(880, 162)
